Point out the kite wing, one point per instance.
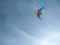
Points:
(39, 17)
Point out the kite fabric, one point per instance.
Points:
(39, 12)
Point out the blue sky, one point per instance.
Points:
(20, 26)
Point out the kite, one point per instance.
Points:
(39, 12)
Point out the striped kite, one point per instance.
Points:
(39, 12)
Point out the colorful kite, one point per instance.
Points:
(39, 12)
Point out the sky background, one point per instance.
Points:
(20, 26)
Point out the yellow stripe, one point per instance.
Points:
(36, 13)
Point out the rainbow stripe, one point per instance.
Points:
(37, 12)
